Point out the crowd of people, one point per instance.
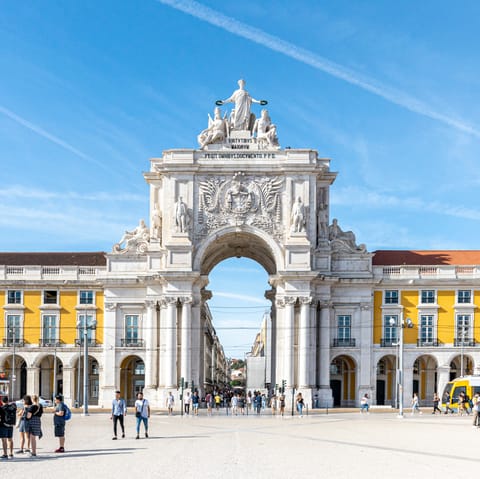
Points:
(28, 420)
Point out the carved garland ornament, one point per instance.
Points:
(240, 201)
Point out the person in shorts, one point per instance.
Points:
(33, 425)
(6, 430)
(195, 403)
(59, 422)
(21, 430)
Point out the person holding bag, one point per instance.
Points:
(142, 413)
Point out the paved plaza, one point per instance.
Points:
(339, 445)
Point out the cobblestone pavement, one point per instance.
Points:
(338, 446)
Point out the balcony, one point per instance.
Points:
(91, 342)
(48, 343)
(132, 343)
(343, 343)
(387, 343)
(466, 342)
(9, 343)
(428, 343)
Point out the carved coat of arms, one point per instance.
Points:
(240, 200)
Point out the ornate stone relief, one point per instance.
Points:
(240, 200)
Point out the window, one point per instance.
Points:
(49, 329)
(50, 297)
(86, 297)
(389, 330)
(14, 296)
(463, 327)
(426, 329)
(139, 368)
(391, 296)
(14, 331)
(428, 296)
(131, 328)
(344, 327)
(80, 328)
(464, 296)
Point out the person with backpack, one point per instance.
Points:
(8, 419)
(119, 411)
(33, 425)
(60, 415)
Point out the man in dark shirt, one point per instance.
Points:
(59, 422)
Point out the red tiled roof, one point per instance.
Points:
(53, 259)
(428, 257)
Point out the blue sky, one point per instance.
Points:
(90, 90)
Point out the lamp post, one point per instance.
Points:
(400, 326)
(55, 370)
(87, 325)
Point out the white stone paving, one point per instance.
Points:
(340, 445)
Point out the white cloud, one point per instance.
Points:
(307, 57)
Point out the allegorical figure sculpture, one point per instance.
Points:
(216, 132)
(298, 216)
(265, 130)
(132, 239)
(156, 222)
(241, 116)
(335, 233)
(181, 213)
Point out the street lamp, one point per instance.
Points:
(89, 323)
(400, 325)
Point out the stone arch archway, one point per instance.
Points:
(343, 380)
(425, 377)
(132, 378)
(386, 392)
(461, 366)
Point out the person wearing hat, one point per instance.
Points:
(119, 411)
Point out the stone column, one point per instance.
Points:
(171, 343)
(288, 331)
(366, 373)
(304, 343)
(325, 392)
(313, 345)
(162, 341)
(196, 335)
(407, 384)
(107, 384)
(279, 340)
(150, 338)
(186, 339)
(68, 385)
(33, 380)
(443, 379)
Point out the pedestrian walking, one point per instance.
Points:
(249, 401)
(241, 404)
(282, 404)
(33, 425)
(415, 404)
(257, 400)
(218, 401)
(273, 404)
(209, 401)
(8, 419)
(59, 422)
(300, 404)
(24, 438)
(170, 403)
(186, 405)
(119, 411)
(364, 404)
(195, 403)
(142, 413)
(436, 402)
(461, 404)
(476, 410)
(234, 403)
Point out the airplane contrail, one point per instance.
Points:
(48, 136)
(256, 35)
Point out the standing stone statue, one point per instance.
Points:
(241, 116)
(181, 212)
(298, 216)
(156, 222)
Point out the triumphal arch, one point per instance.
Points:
(239, 194)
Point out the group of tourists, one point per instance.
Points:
(28, 420)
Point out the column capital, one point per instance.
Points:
(186, 299)
(305, 300)
(110, 306)
(326, 304)
(290, 299)
(150, 303)
(170, 299)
